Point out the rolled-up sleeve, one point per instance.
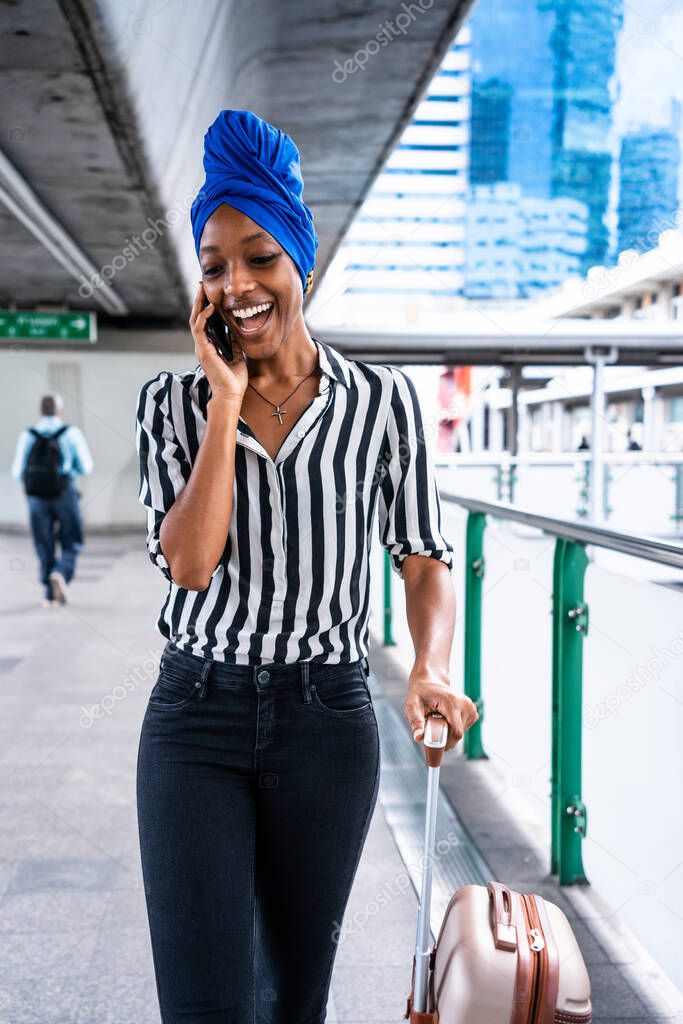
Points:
(409, 507)
(82, 461)
(19, 462)
(164, 464)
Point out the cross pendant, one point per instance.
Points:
(278, 413)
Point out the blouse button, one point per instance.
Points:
(300, 433)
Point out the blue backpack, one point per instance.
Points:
(43, 477)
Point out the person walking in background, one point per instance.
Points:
(48, 459)
(631, 443)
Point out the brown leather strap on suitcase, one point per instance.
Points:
(508, 925)
(511, 932)
(525, 973)
(502, 920)
(552, 981)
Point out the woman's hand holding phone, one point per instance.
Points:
(228, 380)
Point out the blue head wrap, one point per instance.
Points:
(256, 168)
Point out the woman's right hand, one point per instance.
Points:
(228, 381)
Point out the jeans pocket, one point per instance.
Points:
(342, 694)
(173, 690)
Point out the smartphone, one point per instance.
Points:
(218, 332)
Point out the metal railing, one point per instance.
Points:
(569, 628)
(506, 472)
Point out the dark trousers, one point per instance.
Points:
(56, 522)
(255, 790)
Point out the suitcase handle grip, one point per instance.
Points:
(504, 928)
(434, 738)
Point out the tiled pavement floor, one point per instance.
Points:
(75, 944)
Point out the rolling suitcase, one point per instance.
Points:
(501, 957)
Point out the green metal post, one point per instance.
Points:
(498, 481)
(388, 637)
(512, 479)
(606, 505)
(474, 575)
(678, 494)
(583, 478)
(570, 625)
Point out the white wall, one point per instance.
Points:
(99, 391)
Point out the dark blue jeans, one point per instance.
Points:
(255, 790)
(56, 521)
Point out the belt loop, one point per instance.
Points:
(204, 677)
(366, 666)
(305, 688)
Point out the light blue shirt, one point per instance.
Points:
(76, 457)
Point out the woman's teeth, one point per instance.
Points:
(252, 319)
(243, 314)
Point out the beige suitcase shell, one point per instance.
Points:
(535, 975)
(501, 956)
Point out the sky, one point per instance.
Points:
(649, 73)
(649, 62)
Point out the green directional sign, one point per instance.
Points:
(25, 325)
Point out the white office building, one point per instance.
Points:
(404, 254)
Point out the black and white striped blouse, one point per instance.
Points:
(293, 581)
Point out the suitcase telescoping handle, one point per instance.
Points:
(434, 740)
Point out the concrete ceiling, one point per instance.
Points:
(104, 110)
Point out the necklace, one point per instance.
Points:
(279, 410)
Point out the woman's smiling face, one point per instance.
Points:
(243, 267)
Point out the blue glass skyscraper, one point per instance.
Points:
(648, 189)
(583, 43)
(554, 62)
(511, 47)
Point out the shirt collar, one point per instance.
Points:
(332, 364)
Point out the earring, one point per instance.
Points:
(309, 281)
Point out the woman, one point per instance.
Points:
(258, 765)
